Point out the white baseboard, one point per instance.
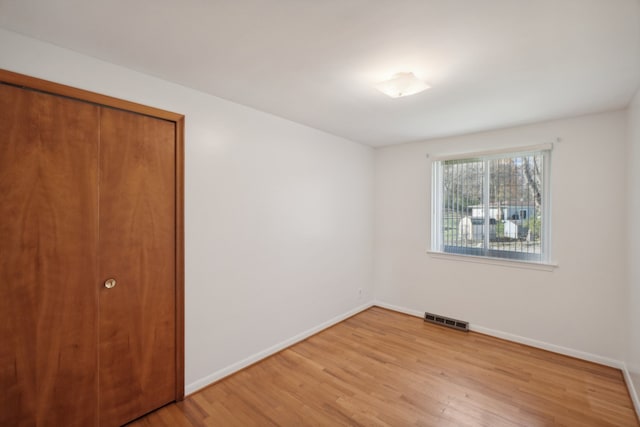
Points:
(519, 339)
(231, 369)
(590, 357)
(399, 309)
(632, 390)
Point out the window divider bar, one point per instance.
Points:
(487, 213)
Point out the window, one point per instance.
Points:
(493, 205)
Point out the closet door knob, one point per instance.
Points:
(110, 283)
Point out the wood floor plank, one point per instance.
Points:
(381, 368)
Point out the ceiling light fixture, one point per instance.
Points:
(402, 84)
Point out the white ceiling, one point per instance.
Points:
(491, 63)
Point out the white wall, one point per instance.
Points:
(279, 231)
(581, 304)
(633, 339)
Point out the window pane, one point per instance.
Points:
(463, 184)
(515, 207)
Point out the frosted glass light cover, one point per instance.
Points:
(402, 84)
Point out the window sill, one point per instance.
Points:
(494, 261)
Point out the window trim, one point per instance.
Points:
(437, 245)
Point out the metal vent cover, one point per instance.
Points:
(460, 325)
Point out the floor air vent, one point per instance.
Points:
(446, 321)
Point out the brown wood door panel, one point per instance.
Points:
(48, 249)
(137, 248)
(78, 180)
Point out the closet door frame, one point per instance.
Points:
(52, 88)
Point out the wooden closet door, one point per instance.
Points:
(48, 271)
(137, 248)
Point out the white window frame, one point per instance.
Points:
(437, 244)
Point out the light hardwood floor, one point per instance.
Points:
(381, 368)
